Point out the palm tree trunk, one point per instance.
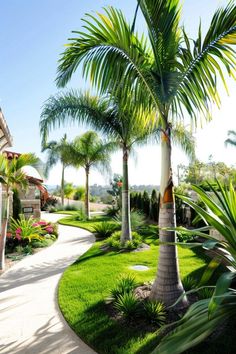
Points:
(167, 286)
(5, 219)
(87, 211)
(62, 184)
(126, 225)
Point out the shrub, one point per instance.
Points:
(105, 229)
(114, 241)
(79, 193)
(28, 250)
(80, 215)
(112, 211)
(154, 312)
(189, 283)
(69, 207)
(126, 284)
(137, 219)
(128, 305)
(146, 203)
(51, 201)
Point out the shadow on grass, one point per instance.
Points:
(111, 336)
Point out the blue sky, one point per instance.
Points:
(32, 37)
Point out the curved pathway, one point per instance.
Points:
(30, 320)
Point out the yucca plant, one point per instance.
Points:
(128, 305)
(126, 284)
(154, 311)
(203, 317)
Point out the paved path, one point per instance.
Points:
(30, 321)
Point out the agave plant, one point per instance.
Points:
(203, 317)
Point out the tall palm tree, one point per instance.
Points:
(231, 140)
(89, 151)
(126, 125)
(57, 152)
(167, 72)
(13, 176)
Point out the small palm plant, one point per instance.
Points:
(13, 176)
(203, 317)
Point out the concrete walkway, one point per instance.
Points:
(30, 321)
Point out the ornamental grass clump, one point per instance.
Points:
(114, 241)
(128, 305)
(125, 285)
(154, 312)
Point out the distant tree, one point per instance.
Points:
(90, 152)
(154, 206)
(79, 193)
(116, 189)
(146, 203)
(68, 191)
(57, 151)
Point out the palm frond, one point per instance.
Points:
(231, 138)
(205, 60)
(110, 52)
(184, 139)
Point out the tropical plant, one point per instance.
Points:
(127, 304)
(68, 191)
(115, 241)
(105, 229)
(231, 140)
(203, 317)
(12, 176)
(25, 228)
(79, 193)
(168, 73)
(16, 205)
(126, 284)
(154, 312)
(126, 125)
(57, 152)
(91, 152)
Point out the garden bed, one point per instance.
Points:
(82, 297)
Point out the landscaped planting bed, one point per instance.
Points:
(86, 285)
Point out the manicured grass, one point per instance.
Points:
(87, 225)
(86, 284)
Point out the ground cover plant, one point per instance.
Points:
(82, 298)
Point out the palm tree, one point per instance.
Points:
(126, 126)
(167, 72)
(57, 152)
(89, 151)
(13, 176)
(231, 140)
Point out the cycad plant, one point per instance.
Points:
(203, 317)
(167, 72)
(12, 176)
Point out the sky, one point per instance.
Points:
(32, 36)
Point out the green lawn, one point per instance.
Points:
(87, 225)
(86, 284)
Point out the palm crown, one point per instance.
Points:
(173, 71)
